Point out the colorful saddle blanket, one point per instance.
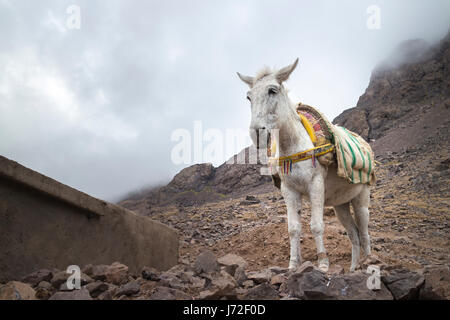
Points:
(318, 128)
(354, 156)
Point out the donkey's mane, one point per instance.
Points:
(264, 72)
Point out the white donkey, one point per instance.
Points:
(271, 109)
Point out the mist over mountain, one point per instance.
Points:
(414, 75)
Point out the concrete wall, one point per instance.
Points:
(46, 224)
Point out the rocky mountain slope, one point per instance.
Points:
(405, 113)
(414, 80)
(202, 183)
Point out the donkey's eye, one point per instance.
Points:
(248, 98)
(272, 91)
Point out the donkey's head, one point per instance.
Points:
(270, 104)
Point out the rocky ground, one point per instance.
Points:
(408, 225)
(228, 278)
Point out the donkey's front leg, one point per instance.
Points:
(293, 202)
(316, 196)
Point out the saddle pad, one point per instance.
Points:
(320, 124)
(355, 158)
(321, 128)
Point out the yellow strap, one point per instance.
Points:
(308, 128)
(307, 125)
(273, 147)
(300, 156)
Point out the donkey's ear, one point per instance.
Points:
(283, 74)
(248, 80)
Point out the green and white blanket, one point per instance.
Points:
(355, 158)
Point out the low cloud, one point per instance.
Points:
(95, 107)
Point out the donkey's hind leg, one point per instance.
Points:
(345, 217)
(361, 207)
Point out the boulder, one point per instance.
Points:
(40, 275)
(222, 285)
(437, 283)
(87, 269)
(315, 285)
(259, 276)
(105, 296)
(404, 284)
(150, 274)
(44, 290)
(59, 278)
(353, 286)
(117, 273)
(43, 294)
(172, 279)
(278, 279)
(306, 266)
(278, 270)
(15, 290)
(240, 276)
(308, 285)
(263, 291)
(232, 259)
(96, 288)
(82, 294)
(97, 272)
(128, 289)
(45, 285)
(198, 283)
(206, 262)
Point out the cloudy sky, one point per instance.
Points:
(95, 107)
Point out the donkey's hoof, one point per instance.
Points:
(324, 264)
(323, 267)
(293, 265)
(355, 266)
